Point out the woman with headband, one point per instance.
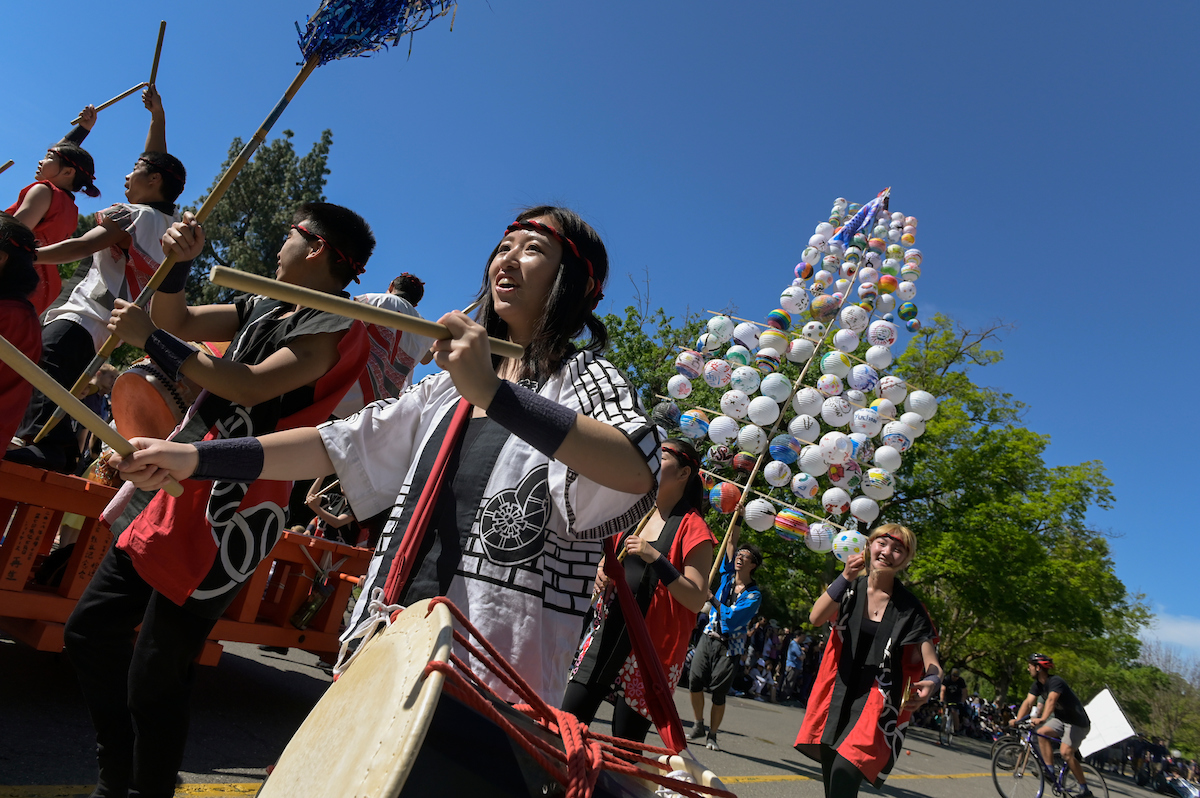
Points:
(666, 558)
(880, 665)
(544, 456)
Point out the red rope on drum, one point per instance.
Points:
(584, 753)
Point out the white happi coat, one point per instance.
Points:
(528, 600)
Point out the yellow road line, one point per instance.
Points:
(762, 779)
(182, 791)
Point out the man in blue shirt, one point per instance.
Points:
(794, 666)
(724, 639)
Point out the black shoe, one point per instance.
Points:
(281, 650)
(1087, 793)
(697, 731)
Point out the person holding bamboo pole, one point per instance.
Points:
(179, 562)
(503, 475)
(125, 247)
(723, 642)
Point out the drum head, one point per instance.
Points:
(362, 737)
(141, 406)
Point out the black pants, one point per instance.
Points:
(137, 694)
(67, 348)
(628, 723)
(841, 778)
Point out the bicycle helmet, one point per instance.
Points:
(1041, 660)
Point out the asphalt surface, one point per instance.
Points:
(246, 709)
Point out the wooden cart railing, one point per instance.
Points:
(32, 505)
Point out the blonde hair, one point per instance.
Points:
(901, 533)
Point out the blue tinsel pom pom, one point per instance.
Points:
(344, 28)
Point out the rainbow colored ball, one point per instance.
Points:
(724, 497)
(767, 361)
(887, 283)
(780, 319)
(907, 311)
(790, 525)
(912, 325)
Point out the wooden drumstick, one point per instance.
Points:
(162, 29)
(5, 165)
(319, 300)
(76, 409)
(116, 99)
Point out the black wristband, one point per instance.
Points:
(176, 279)
(168, 352)
(839, 587)
(229, 460)
(540, 422)
(665, 570)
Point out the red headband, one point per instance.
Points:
(358, 267)
(684, 456)
(530, 224)
(14, 243)
(71, 163)
(161, 168)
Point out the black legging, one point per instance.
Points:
(628, 723)
(841, 778)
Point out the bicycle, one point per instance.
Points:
(1019, 771)
(946, 727)
(1004, 736)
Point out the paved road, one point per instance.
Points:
(246, 709)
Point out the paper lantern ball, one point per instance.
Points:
(823, 308)
(913, 325)
(745, 379)
(689, 363)
(846, 544)
(666, 415)
(878, 483)
(735, 403)
(847, 475)
(835, 501)
(888, 458)
(887, 283)
(717, 373)
(679, 387)
(867, 290)
(854, 318)
(767, 360)
(892, 388)
(784, 448)
(723, 430)
(881, 333)
(829, 385)
(800, 350)
(855, 397)
(878, 357)
(864, 509)
(811, 462)
(906, 292)
(821, 280)
(804, 428)
(898, 435)
(719, 456)
(836, 447)
(866, 421)
(820, 537)
(752, 439)
(907, 311)
(813, 331)
(743, 462)
(915, 421)
(804, 269)
(738, 355)
(776, 386)
(721, 328)
(746, 334)
(836, 411)
(777, 474)
(763, 411)
(868, 274)
(724, 497)
(864, 448)
(845, 340)
(913, 256)
(790, 525)
(807, 401)
(760, 515)
(837, 363)
(794, 299)
(694, 423)
(780, 319)
(773, 339)
(707, 343)
(885, 409)
(863, 378)
(805, 486)
(922, 403)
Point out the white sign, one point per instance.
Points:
(1109, 725)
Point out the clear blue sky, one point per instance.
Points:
(1049, 150)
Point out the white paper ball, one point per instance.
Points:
(866, 421)
(881, 333)
(878, 483)
(772, 339)
(738, 355)
(886, 303)
(763, 411)
(845, 340)
(829, 385)
(885, 409)
(915, 421)
(745, 379)
(794, 300)
(800, 350)
(723, 430)
(805, 486)
(735, 403)
(836, 447)
(892, 388)
(820, 537)
(847, 544)
(847, 475)
(813, 331)
(777, 386)
(807, 402)
(811, 461)
(721, 328)
(679, 387)
(887, 458)
(836, 363)
(752, 439)
(818, 241)
(777, 474)
(824, 229)
(863, 378)
(855, 397)
(878, 357)
(811, 256)
(717, 373)
(923, 403)
(760, 515)
(804, 428)
(854, 318)
(897, 435)
(906, 291)
(836, 411)
(864, 509)
(746, 334)
(835, 501)
(707, 343)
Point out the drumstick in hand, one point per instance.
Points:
(76, 409)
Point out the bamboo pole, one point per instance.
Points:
(116, 99)
(162, 29)
(319, 300)
(29, 370)
(210, 203)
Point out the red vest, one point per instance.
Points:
(57, 224)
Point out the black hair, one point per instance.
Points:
(18, 278)
(347, 233)
(693, 492)
(755, 552)
(81, 161)
(408, 286)
(174, 176)
(569, 305)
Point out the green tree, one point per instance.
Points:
(249, 224)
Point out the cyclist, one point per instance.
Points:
(1068, 720)
(952, 696)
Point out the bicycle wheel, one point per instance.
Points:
(1095, 782)
(1017, 773)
